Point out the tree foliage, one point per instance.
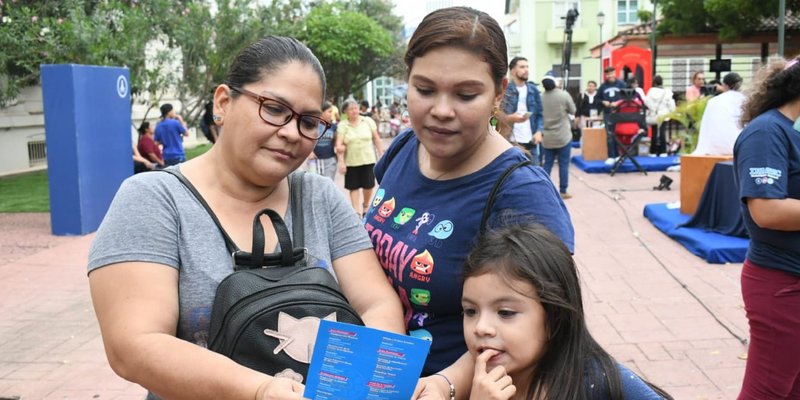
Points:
(179, 47)
(352, 48)
(731, 18)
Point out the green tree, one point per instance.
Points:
(352, 47)
(732, 18)
(73, 31)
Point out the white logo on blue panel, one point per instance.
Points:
(122, 86)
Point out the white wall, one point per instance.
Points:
(23, 121)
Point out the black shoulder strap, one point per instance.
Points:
(296, 203)
(232, 248)
(396, 149)
(487, 210)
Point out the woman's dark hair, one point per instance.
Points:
(658, 81)
(632, 80)
(773, 86)
(144, 127)
(466, 28)
(326, 105)
(595, 83)
(267, 56)
(573, 361)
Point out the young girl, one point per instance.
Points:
(524, 324)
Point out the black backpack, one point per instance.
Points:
(266, 313)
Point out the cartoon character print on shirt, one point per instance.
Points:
(440, 232)
(421, 334)
(378, 198)
(403, 217)
(425, 219)
(422, 267)
(387, 208)
(420, 317)
(420, 297)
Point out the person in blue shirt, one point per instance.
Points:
(522, 109)
(325, 152)
(767, 169)
(436, 179)
(169, 133)
(525, 327)
(609, 93)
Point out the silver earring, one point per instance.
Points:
(216, 118)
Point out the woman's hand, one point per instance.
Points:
(431, 388)
(491, 385)
(342, 168)
(280, 389)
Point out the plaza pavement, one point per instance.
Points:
(662, 311)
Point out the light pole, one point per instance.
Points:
(601, 18)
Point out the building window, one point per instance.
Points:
(682, 70)
(560, 8)
(626, 12)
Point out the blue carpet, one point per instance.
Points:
(648, 163)
(576, 144)
(712, 247)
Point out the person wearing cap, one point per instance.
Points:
(720, 125)
(522, 108)
(557, 108)
(169, 133)
(610, 92)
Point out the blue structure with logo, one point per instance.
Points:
(87, 119)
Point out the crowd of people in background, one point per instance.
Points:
(446, 161)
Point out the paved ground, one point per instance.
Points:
(657, 308)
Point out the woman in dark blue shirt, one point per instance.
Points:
(767, 166)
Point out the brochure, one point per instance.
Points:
(356, 362)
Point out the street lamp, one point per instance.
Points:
(601, 18)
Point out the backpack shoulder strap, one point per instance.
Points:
(487, 209)
(396, 149)
(296, 203)
(232, 248)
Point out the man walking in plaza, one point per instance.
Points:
(522, 105)
(170, 132)
(610, 92)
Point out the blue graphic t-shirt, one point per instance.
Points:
(325, 144)
(767, 165)
(422, 230)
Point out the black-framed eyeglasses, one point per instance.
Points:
(278, 113)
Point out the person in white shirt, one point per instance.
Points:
(659, 102)
(720, 126)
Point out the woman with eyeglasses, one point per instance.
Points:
(158, 257)
(358, 147)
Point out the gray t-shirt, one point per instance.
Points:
(154, 218)
(557, 106)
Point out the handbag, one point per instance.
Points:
(266, 314)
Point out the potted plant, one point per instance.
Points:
(689, 114)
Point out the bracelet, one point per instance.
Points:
(452, 388)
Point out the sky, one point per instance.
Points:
(413, 11)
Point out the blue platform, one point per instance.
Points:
(648, 163)
(713, 247)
